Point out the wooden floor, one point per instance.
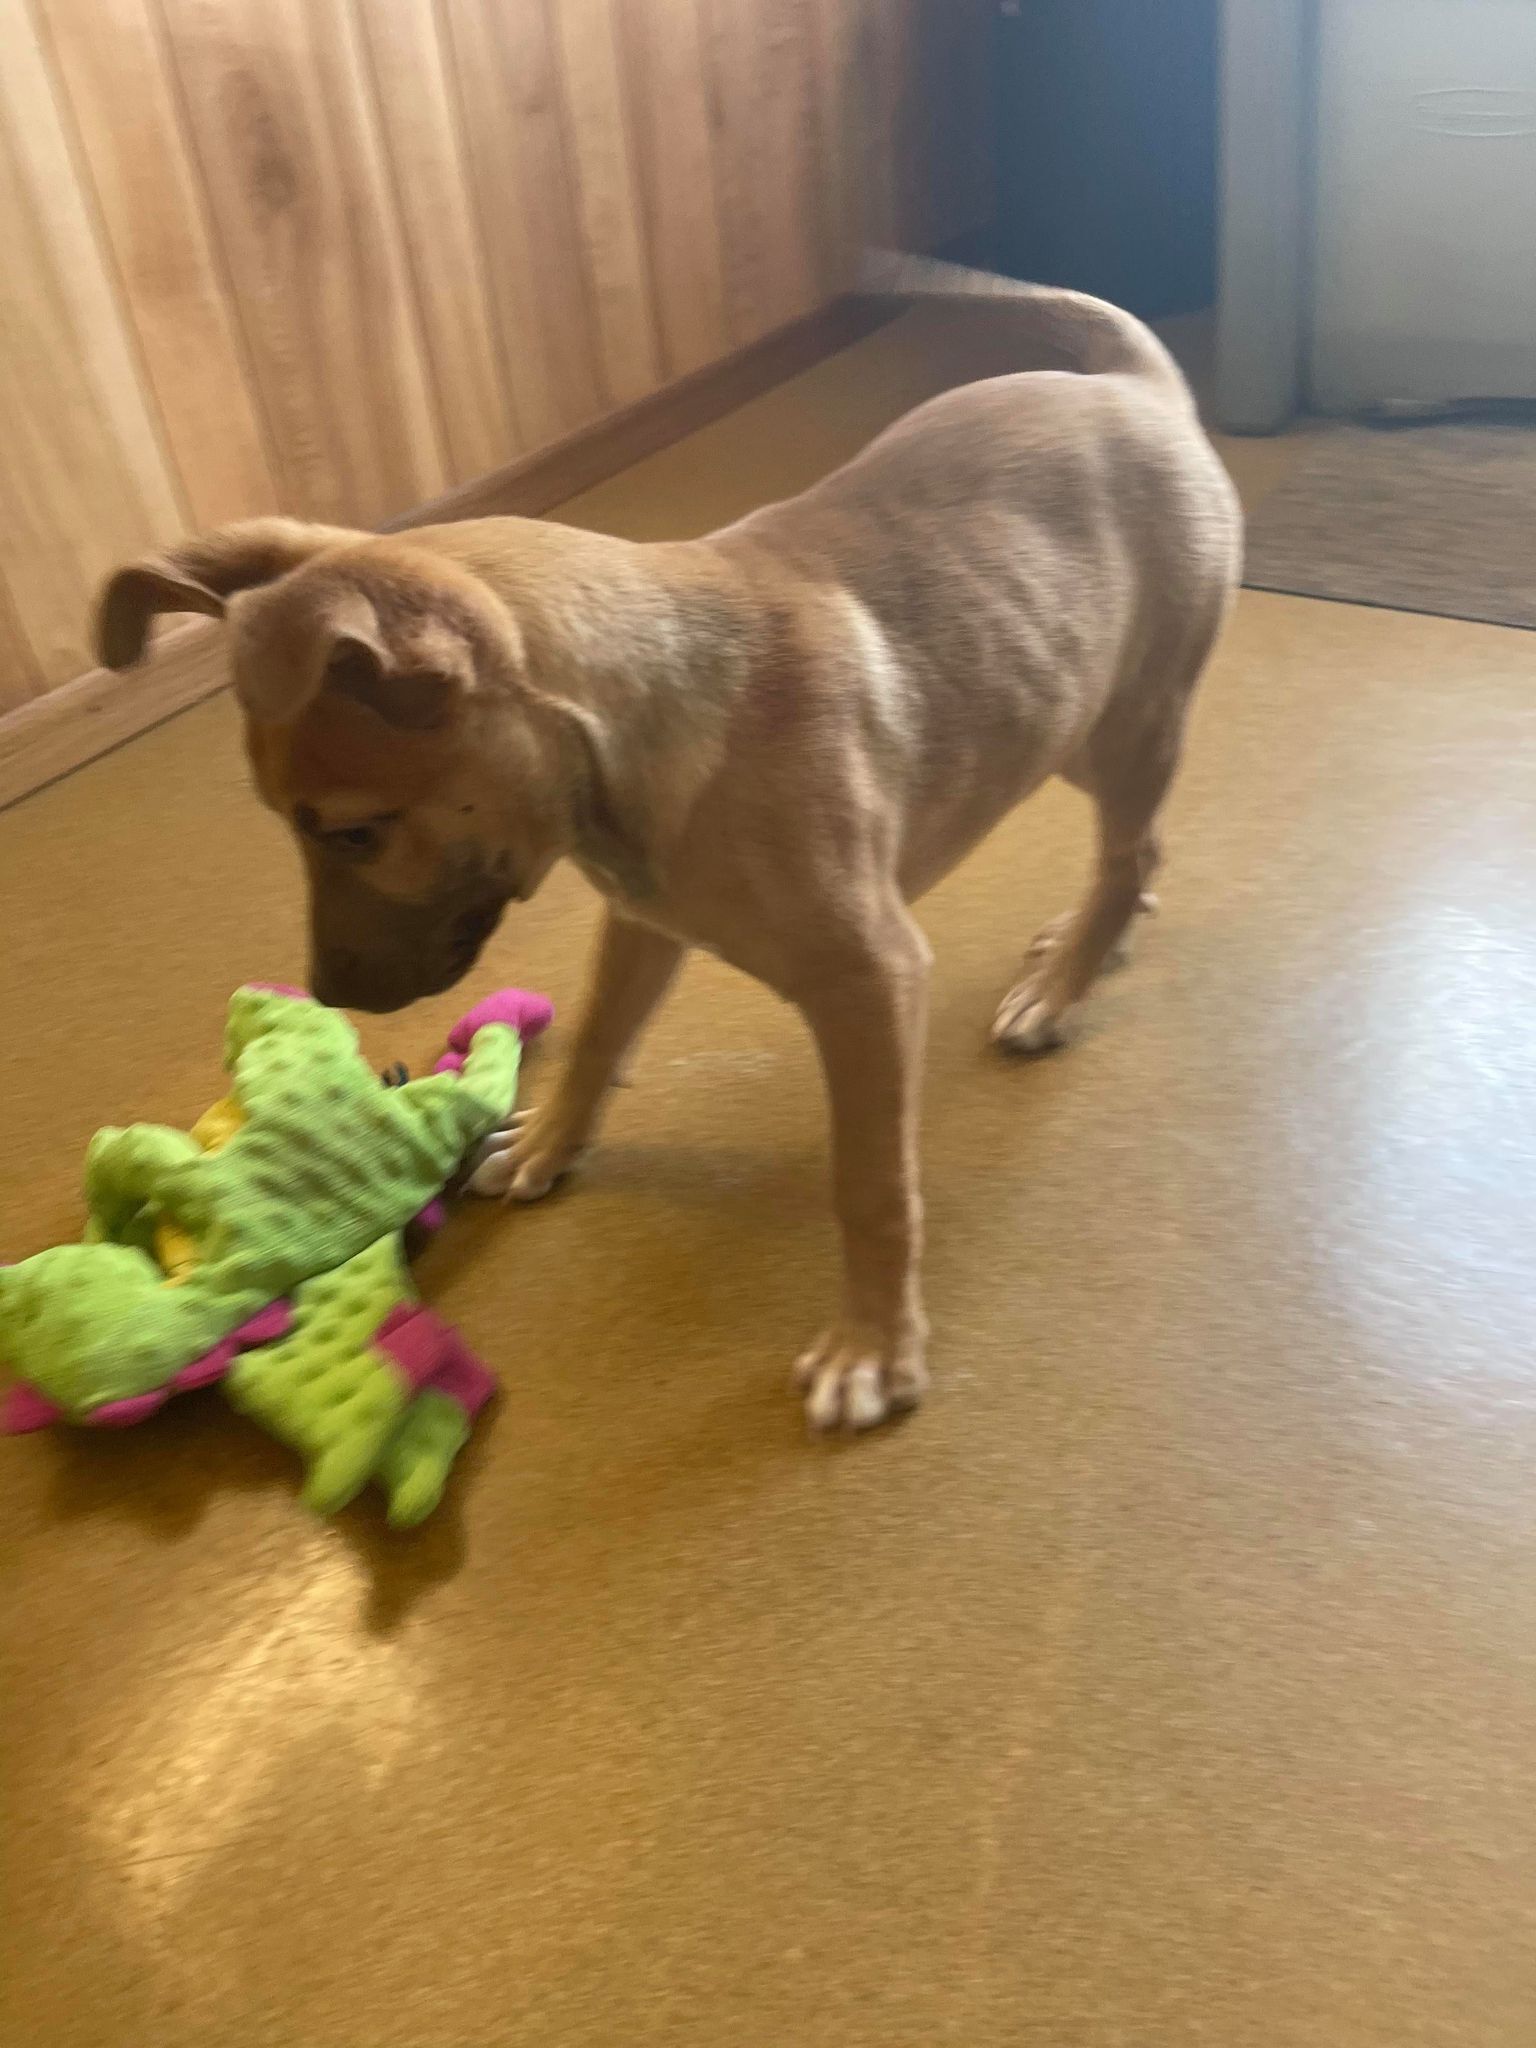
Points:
(1171, 1680)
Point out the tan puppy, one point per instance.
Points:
(765, 743)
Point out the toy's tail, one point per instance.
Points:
(1073, 331)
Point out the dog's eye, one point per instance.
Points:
(355, 838)
(358, 842)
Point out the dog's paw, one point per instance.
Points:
(1028, 1021)
(853, 1379)
(523, 1161)
(1053, 936)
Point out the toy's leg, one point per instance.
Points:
(634, 969)
(414, 1465)
(336, 1406)
(409, 1350)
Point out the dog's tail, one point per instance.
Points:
(1078, 332)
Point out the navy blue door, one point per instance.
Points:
(1107, 148)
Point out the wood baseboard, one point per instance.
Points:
(73, 724)
(66, 727)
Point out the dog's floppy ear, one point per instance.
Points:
(417, 687)
(201, 575)
(323, 636)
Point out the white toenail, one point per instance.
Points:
(863, 1403)
(823, 1405)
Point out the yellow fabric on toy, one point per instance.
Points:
(174, 1247)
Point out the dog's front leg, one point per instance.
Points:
(870, 1020)
(633, 970)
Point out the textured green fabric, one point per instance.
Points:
(413, 1466)
(328, 1392)
(327, 1163)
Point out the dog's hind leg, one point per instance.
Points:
(1127, 772)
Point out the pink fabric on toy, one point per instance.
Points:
(428, 1352)
(123, 1414)
(25, 1409)
(464, 1377)
(269, 1325)
(415, 1342)
(527, 1013)
(282, 988)
(265, 1327)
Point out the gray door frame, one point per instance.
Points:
(1267, 91)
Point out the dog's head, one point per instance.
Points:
(389, 723)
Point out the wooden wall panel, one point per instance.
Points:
(530, 222)
(19, 674)
(83, 479)
(844, 118)
(418, 108)
(608, 198)
(278, 100)
(669, 105)
(146, 193)
(793, 163)
(335, 257)
(760, 57)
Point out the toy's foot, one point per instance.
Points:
(414, 1465)
(338, 1412)
(854, 1379)
(524, 1161)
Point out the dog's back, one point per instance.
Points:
(1031, 548)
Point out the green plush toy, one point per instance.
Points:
(265, 1248)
